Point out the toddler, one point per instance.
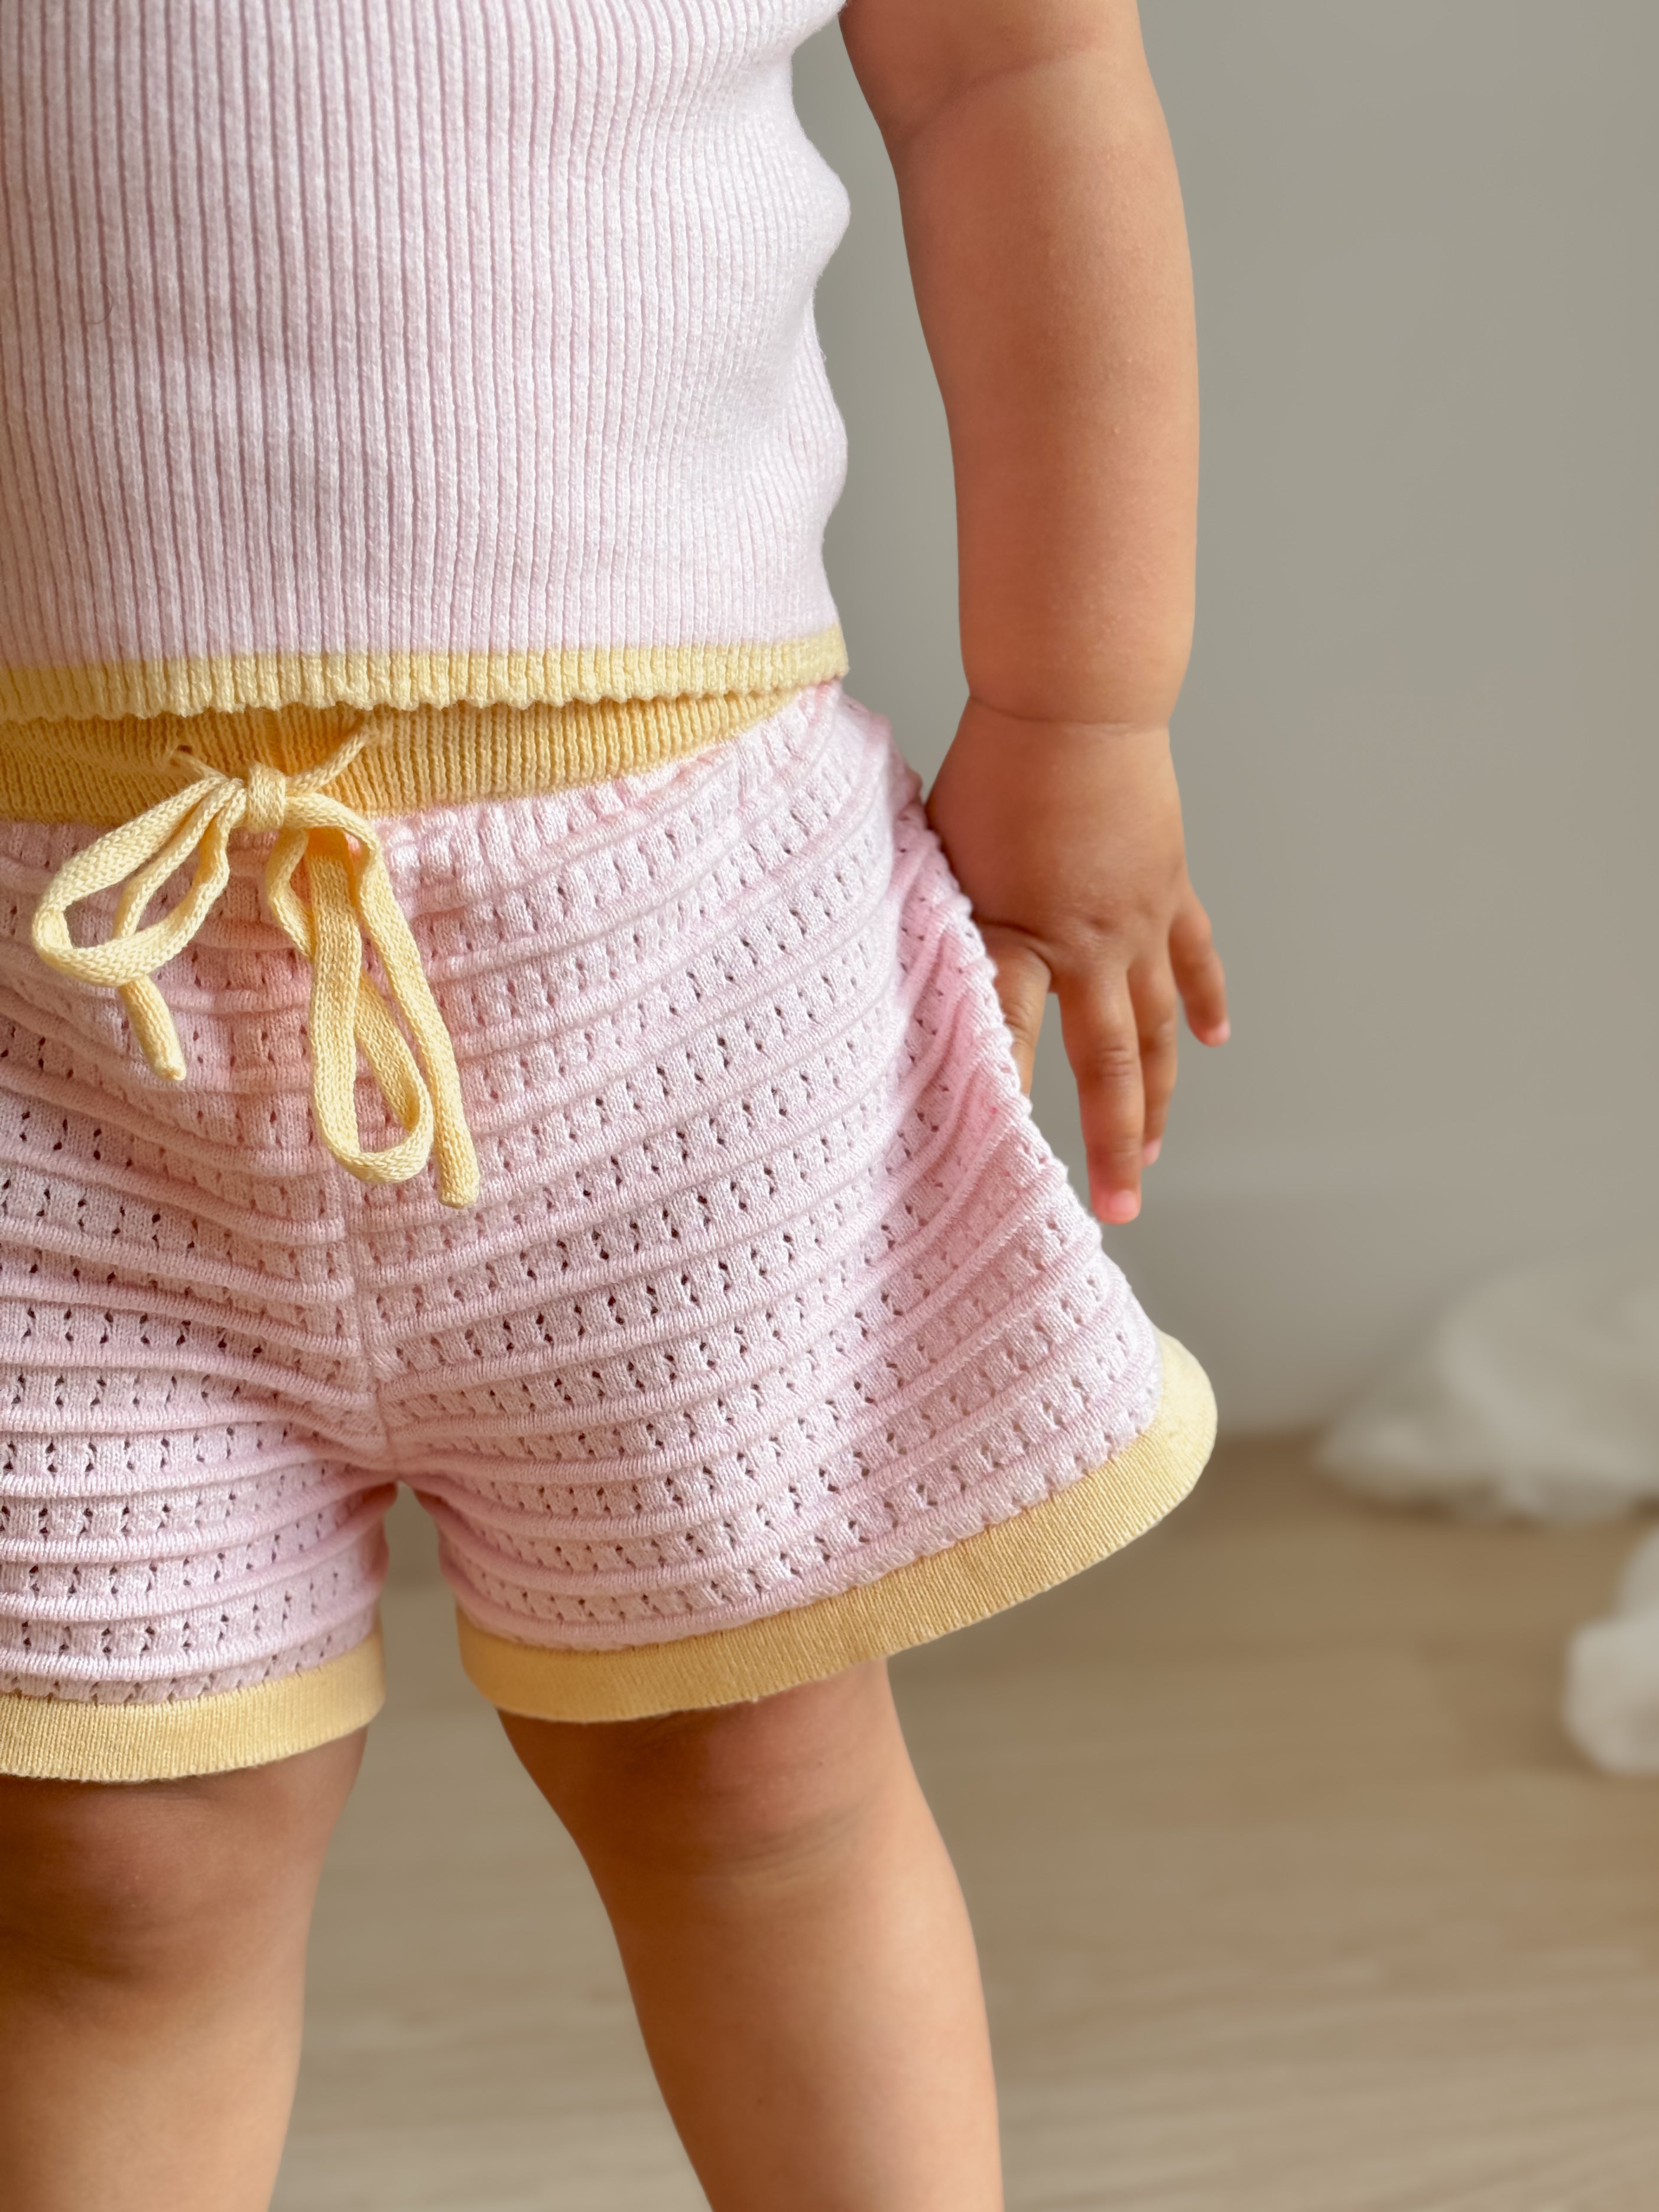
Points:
(480, 1009)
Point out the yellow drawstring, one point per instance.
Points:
(351, 898)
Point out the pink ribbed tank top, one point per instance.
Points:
(408, 352)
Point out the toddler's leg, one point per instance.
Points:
(152, 1966)
(796, 1943)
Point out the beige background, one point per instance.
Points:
(1417, 742)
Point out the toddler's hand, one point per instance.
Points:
(1067, 837)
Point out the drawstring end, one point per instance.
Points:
(458, 1166)
(152, 1023)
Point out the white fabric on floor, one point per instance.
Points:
(1538, 1394)
(1611, 1705)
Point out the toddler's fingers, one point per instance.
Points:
(1199, 975)
(1023, 982)
(1102, 1043)
(1157, 1023)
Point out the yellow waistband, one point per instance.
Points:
(76, 768)
(176, 787)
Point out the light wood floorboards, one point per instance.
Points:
(1292, 1897)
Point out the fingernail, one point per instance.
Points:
(1119, 1205)
(1219, 1034)
(1150, 1151)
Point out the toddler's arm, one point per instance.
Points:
(1042, 216)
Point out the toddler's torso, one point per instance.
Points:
(406, 352)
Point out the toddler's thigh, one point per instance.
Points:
(729, 1785)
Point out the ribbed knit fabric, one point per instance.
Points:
(404, 351)
(774, 1286)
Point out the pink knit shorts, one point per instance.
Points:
(775, 1340)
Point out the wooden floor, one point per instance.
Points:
(1291, 1897)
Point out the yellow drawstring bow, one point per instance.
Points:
(351, 898)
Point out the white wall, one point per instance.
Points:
(1418, 742)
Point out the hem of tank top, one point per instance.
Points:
(229, 683)
(107, 772)
(968, 1581)
(57, 1739)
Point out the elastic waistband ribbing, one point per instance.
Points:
(88, 768)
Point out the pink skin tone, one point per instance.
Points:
(791, 1930)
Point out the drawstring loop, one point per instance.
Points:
(351, 899)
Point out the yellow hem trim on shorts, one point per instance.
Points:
(983, 1574)
(69, 1740)
(235, 682)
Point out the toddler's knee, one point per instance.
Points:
(765, 1787)
(122, 1881)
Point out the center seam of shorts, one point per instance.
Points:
(355, 1202)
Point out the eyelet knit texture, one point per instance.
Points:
(772, 1286)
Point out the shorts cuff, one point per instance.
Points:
(71, 1740)
(981, 1575)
